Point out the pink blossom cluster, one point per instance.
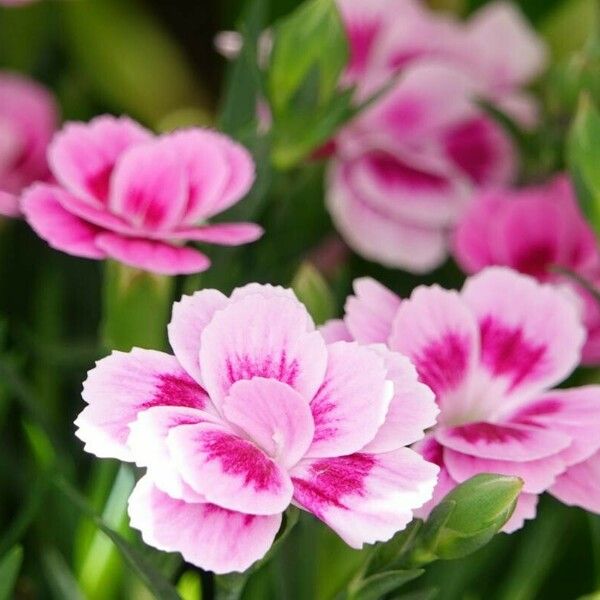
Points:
(404, 171)
(28, 118)
(254, 412)
(538, 230)
(492, 353)
(126, 194)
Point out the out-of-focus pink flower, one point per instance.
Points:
(536, 230)
(16, 2)
(128, 195)
(492, 353)
(405, 170)
(253, 412)
(28, 117)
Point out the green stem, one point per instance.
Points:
(230, 587)
(594, 521)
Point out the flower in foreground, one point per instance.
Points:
(492, 354)
(539, 231)
(28, 117)
(255, 412)
(404, 171)
(128, 195)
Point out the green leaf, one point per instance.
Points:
(377, 586)
(59, 576)
(387, 556)
(10, 565)
(312, 38)
(310, 51)
(584, 158)
(154, 581)
(136, 307)
(314, 292)
(467, 518)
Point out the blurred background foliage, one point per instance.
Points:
(155, 60)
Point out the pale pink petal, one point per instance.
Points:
(9, 204)
(83, 155)
(412, 409)
(229, 470)
(241, 172)
(525, 510)
(273, 415)
(432, 452)
(224, 234)
(437, 332)
(124, 384)
(206, 535)
(503, 46)
(148, 443)
(371, 311)
(268, 291)
(375, 235)
(42, 208)
(153, 255)
(149, 188)
(537, 475)
(253, 337)
(503, 441)
(575, 412)
(335, 330)
(580, 485)
(531, 334)
(189, 318)
(352, 402)
(482, 149)
(365, 498)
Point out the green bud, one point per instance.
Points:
(313, 291)
(467, 518)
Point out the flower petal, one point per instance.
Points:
(352, 402)
(229, 470)
(437, 332)
(262, 336)
(189, 318)
(537, 475)
(503, 441)
(224, 234)
(148, 188)
(83, 155)
(42, 207)
(335, 330)
(210, 537)
(9, 204)
(272, 414)
(580, 485)
(122, 385)
(525, 510)
(531, 334)
(365, 498)
(153, 255)
(412, 409)
(371, 311)
(148, 444)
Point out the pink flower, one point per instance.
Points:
(404, 171)
(136, 198)
(254, 412)
(28, 118)
(492, 354)
(535, 230)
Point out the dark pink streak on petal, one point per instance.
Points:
(535, 260)
(269, 367)
(470, 147)
(487, 432)
(178, 390)
(396, 173)
(361, 35)
(529, 414)
(442, 364)
(505, 351)
(331, 480)
(98, 183)
(240, 457)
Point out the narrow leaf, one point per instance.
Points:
(10, 565)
